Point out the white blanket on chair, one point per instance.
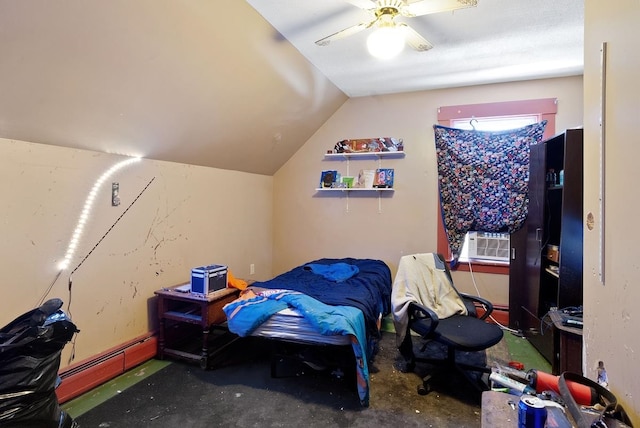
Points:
(419, 280)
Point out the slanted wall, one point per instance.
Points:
(188, 216)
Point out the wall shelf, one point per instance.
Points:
(364, 191)
(360, 156)
(551, 272)
(364, 155)
(355, 189)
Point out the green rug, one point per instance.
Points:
(104, 392)
(521, 350)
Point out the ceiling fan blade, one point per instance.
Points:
(415, 40)
(363, 4)
(426, 7)
(344, 33)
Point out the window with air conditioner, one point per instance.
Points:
(493, 117)
(486, 246)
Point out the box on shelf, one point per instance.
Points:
(347, 181)
(553, 253)
(206, 279)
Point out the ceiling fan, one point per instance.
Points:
(386, 10)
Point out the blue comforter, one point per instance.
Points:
(337, 296)
(367, 288)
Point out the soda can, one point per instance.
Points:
(531, 412)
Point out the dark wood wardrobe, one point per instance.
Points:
(545, 273)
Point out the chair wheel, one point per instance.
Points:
(484, 382)
(424, 389)
(204, 363)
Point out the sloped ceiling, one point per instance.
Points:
(215, 83)
(182, 81)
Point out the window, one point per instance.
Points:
(500, 123)
(493, 117)
(489, 247)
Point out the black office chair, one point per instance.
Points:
(457, 332)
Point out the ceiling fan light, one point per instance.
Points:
(386, 42)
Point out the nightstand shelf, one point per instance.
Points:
(179, 313)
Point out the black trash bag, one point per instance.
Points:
(30, 350)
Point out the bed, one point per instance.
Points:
(325, 301)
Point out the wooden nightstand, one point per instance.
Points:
(177, 310)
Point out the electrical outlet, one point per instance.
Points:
(252, 269)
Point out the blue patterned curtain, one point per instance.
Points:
(483, 179)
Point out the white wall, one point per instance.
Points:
(611, 308)
(308, 225)
(187, 217)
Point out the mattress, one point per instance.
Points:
(289, 324)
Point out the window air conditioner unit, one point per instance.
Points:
(489, 246)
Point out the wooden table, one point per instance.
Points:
(178, 308)
(500, 410)
(497, 412)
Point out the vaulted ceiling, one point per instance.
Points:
(241, 85)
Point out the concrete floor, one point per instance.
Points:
(242, 393)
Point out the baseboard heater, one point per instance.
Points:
(500, 314)
(94, 371)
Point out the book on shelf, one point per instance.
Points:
(366, 178)
(383, 178)
(328, 178)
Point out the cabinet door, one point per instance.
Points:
(524, 265)
(517, 277)
(571, 240)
